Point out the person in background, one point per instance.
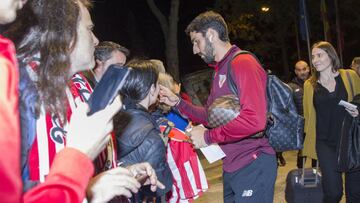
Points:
(355, 65)
(67, 48)
(78, 154)
(250, 163)
(302, 73)
(280, 159)
(106, 53)
(138, 135)
(328, 85)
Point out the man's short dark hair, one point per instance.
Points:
(206, 20)
(104, 49)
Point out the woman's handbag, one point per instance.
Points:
(223, 110)
(348, 152)
(349, 146)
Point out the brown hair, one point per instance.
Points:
(53, 36)
(331, 52)
(206, 20)
(104, 50)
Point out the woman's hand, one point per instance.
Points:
(354, 112)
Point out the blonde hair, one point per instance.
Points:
(159, 65)
(168, 81)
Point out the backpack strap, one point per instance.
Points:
(233, 87)
(230, 81)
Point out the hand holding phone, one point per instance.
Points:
(108, 87)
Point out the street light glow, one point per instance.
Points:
(265, 9)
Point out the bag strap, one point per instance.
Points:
(231, 83)
(233, 87)
(351, 84)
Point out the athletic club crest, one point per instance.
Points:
(222, 79)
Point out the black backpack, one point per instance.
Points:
(285, 127)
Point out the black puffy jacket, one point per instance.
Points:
(297, 85)
(140, 141)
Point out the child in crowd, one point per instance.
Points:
(189, 176)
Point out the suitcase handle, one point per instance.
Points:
(303, 174)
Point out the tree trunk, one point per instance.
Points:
(172, 57)
(169, 29)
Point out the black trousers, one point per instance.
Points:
(252, 184)
(332, 181)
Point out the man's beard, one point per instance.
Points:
(208, 57)
(304, 77)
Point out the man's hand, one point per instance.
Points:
(90, 134)
(145, 169)
(197, 136)
(109, 184)
(167, 96)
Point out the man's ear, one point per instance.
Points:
(211, 34)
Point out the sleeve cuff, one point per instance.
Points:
(207, 137)
(73, 164)
(177, 104)
(179, 108)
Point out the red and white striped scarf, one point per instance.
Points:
(51, 134)
(189, 180)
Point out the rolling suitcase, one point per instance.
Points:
(304, 186)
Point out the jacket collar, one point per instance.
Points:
(218, 65)
(298, 81)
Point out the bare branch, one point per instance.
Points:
(160, 17)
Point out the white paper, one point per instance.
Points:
(213, 153)
(347, 104)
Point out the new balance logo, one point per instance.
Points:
(247, 193)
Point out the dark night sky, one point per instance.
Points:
(131, 24)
